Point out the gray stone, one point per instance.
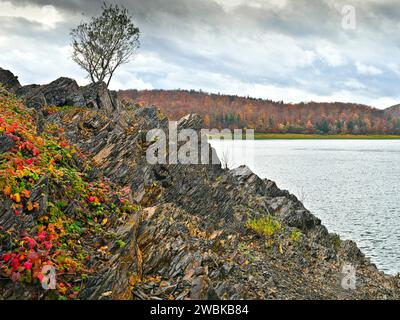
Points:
(9, 81)
(6, 143)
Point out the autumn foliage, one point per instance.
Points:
(76, 211)
(223, 111)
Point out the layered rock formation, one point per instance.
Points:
(193, 237)
(9, 81)
(66, 92)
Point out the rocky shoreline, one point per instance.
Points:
(191, 238)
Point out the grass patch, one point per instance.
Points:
(265, 226)
(295, 235)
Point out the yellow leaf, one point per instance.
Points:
(62, 289)
(134, 279)
(104, 222)
(17, 197)
(280, 248)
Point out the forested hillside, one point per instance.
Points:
(224, 111)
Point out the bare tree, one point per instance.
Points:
(104, 43)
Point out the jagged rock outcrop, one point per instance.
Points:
(97, 96)
(113, 280)
(9, 81)
(192, 238)
(24, 91)
(61, 92)
(187, 256)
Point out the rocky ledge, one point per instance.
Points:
(200, 231)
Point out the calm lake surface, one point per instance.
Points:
(353, 186)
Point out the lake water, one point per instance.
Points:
(353, 186)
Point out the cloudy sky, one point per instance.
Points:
(291, 50)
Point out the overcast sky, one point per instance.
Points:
(291, 50)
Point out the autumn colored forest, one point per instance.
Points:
(226, 111)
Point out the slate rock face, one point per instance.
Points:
(9, 81)
(97, 96)
(66, 92)
(61, 92)
(193, 241)
(191, 238)
(6, 143)
(113, 280)
(24, 91)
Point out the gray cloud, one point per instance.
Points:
(289, 50)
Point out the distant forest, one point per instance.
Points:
(266, 116)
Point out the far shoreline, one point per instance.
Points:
(299, 136)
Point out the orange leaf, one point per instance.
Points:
(26, 194)
(19, 173)
(7, 190)
(29, 206)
